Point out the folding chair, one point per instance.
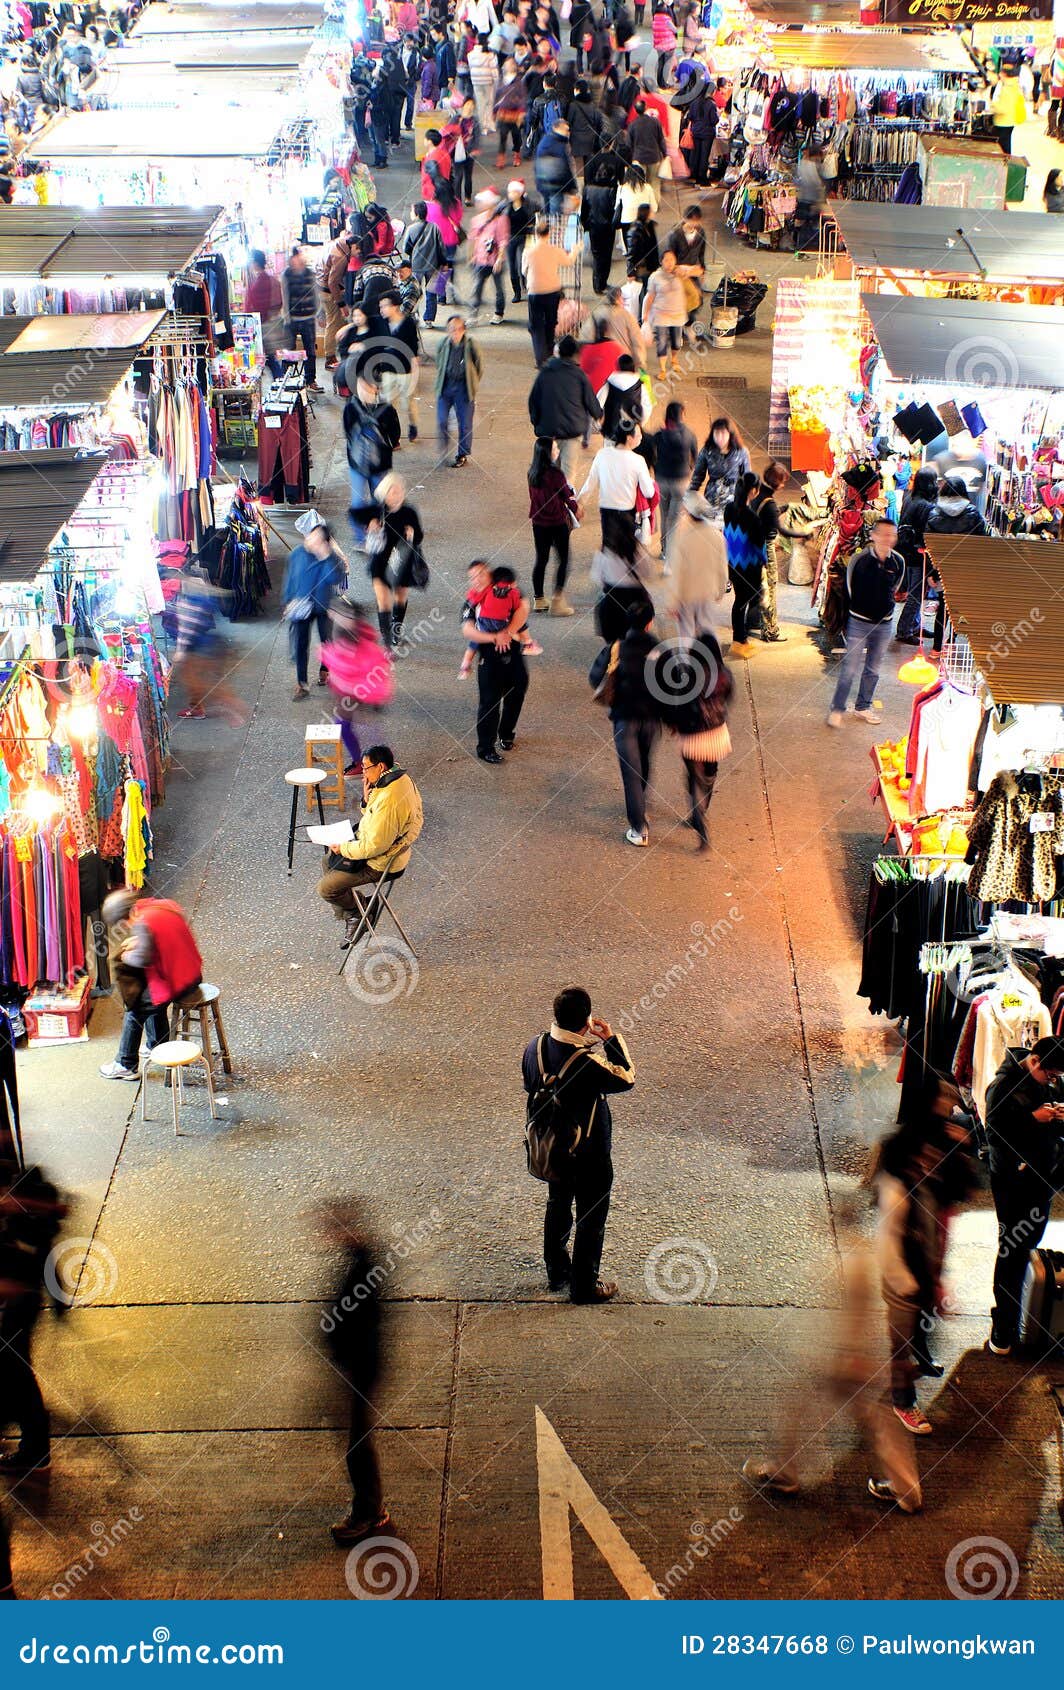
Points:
(374, 906)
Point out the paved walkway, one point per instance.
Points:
(199, 1421)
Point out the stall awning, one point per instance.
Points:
(251, 50)
(1007, 245)
(811, 12)
(273, 15)
(216, 130)
(1007, 598)
(39, 492)
(43, 243)
(868, 50)
(966, 343)
(55, 362)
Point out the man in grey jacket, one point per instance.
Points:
(299, 294)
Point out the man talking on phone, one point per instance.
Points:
(1025, 1127)
(596, 1063)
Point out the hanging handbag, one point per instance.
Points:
(413, 571)
(300, 610)
(606, 691)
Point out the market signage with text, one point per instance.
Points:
(947, 12)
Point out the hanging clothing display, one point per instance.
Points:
(181, 434)
(284, 445)
(235, 556)
(1016, 839)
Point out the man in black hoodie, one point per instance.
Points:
(872, 577)
(562, 405)
(1025, 1127)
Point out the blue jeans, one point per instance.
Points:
(863, 640)
(634, 742)
(455, 398)
(143, 1018)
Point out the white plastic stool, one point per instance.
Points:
(303, 780)
(175, 1055)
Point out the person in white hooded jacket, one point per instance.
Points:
(624, 398)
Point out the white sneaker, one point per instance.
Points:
(115, 1071)
(634, 838)
(834, 718)
(496, 320)
(868, 715)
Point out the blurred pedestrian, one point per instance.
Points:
(553, 513)
(360, 674)
(698, 568)
(316, 570)
(675, 450)
(352, 1326)
(626, 669)
(393, 533)
(202, 654)
(30, 1215)
(156, 962)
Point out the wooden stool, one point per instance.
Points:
(311, 779)
(174, 1056)
(203, 1001)
(325, 750)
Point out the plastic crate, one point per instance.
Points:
(57, 1015)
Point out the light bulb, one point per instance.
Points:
(81, 721)
(41, 805)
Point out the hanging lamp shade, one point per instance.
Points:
(918, 671)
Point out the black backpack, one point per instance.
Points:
(551, 1135)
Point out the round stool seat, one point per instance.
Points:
(306, 777)
(174, 1053)
(199, 996)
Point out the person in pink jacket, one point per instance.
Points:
(489, 235)
(360, 671)
(664, 39)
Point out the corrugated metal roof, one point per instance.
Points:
(118, 331)
(39, 492)
(968, 344)
(51, 241)
(273, 15)
(1007, 598)
(1008, 245)
(867, 49)
(54, 362)
(218, 130)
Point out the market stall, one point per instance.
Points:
(918, 250)
(56, 258)
(963, 936)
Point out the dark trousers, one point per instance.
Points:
(664, 60)
(514, 252)
(502, 681)
(462, 180)
(510, 134)
(1003, 136)
(21, 1402)
(911, 619)
(1021, 1203)
(305, 335)
(94, 883)
(618, 531)
(144, 1018)
(546, 537)
(635, 743)
(300, 641)
(382, 135)
(542, 323)
(746, 591)
(701, 779)
(483, 273)
(601, 241)
(699, 160)
(455, 398)
(362, 1468)
(411, 100)
(588, 1193)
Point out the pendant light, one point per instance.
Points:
(918, 670)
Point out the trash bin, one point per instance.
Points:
(724, 322)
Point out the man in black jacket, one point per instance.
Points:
(598, 211)
(1025, 1127)
(872, 577)
(562, 405)
(585, 1184)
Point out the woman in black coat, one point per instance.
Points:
(581, 20)
(703, 687)
(919, 502)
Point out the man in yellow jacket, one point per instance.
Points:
(392, 818)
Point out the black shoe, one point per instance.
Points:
(352, 1530)
(323, 676)
(16, 1462)
(460, 462)
(999, 1343)
(507, 744)
(928, 1369)
(604, 1291)
(489, 756)
(907, 639)
(411, 432)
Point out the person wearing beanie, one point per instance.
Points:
(489, 238)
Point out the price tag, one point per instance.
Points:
(275, 422)
(1042, 821)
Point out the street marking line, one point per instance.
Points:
(562, 1487)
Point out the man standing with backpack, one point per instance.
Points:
(568, 1138)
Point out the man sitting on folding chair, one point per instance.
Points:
(392, 819)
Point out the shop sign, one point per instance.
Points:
(943, 13)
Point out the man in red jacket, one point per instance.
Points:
(157, 942)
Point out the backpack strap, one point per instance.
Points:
(566, 1065)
